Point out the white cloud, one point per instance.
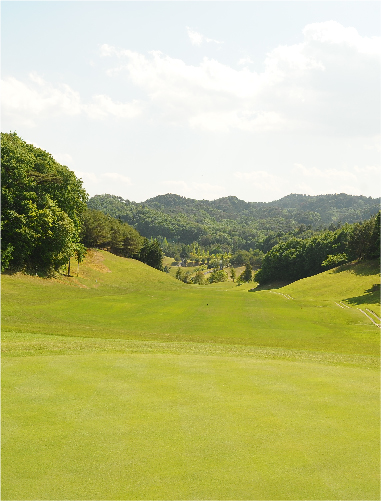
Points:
(197, 190)
(333, 33)
(103, 106)
(264, 183)
(330, 176)
(114, 176)
(369, 169)
(63, 158)
(244, 61)
(246, 121)
(87, 176)
(197, 39)
(38, 99)
(329, 84)
(105, 178)
(310, 181)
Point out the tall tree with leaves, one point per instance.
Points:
(151, 254)
(42, 206)
(247, 274)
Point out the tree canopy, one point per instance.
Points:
(298, 258)
(42, 206)
(230, 224)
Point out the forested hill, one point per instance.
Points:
(320, 209)
(332, 208)
(234, 223)
(316, 210)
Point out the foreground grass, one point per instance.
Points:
(152, 425)
(124, 383)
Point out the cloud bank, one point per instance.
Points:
(197, 39)
(36, 99)
(327, 84)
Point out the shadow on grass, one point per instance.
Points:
(266, 287)
(370, 296)
(361, 268)
(34, 273)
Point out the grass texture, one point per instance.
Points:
(121, 298)
(123, 383)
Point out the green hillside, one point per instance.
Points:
(357, 284)
(123, 298)
(233, 223)
(124, 383)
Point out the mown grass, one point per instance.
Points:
(136, 302)
(357, 285)
(180, 426)
(124, 383)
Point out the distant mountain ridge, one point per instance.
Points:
(292, 201)
(233, 222)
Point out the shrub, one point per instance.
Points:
(199, 278)
(247, 274)
(217, 276)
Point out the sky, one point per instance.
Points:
(256, 99)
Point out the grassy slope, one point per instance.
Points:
(106, 394)
(121, 298)
(358, 285)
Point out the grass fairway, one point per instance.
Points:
(181, 426)
(130, 385)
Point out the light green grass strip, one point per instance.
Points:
(108, 426)
(25, 344)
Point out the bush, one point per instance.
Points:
(334, 260)
(247, 274)
(217, 276)
(199, 278)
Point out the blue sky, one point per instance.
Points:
(204, 99)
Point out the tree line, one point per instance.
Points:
(42, 207)
(105, 232)
(229, 224)
(45, 219)
(299, 258)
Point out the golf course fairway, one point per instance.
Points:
(123, 383)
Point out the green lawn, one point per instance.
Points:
(154, 306)
(126, 384)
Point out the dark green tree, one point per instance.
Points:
(105, 232)
(179, 273)
(151, 254)
(247, 274)
(199, 278)
(42, 206)
(217, 275)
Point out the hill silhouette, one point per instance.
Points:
(232, 223)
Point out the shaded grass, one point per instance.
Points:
(370, 296)
(164, 426)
